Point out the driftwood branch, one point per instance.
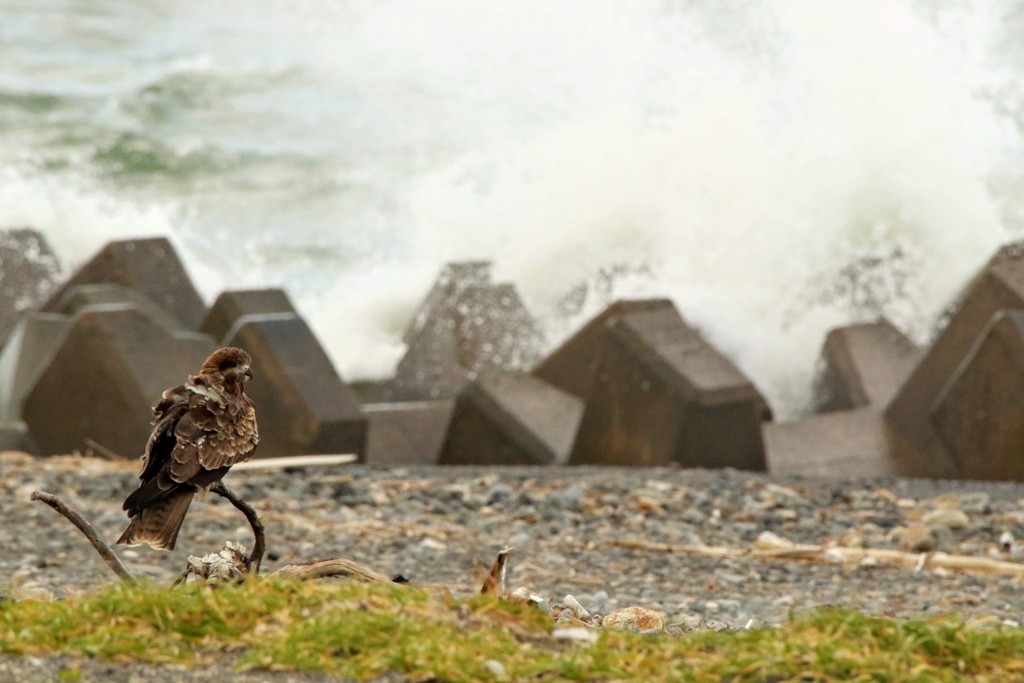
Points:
(260, 542)
(336, 567)
(292, 461)
(87, 529)
(780, 549)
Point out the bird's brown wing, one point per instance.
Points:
(195, 439)
(231, 434)
(161, 442)
(157, 481)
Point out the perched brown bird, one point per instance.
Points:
(203, 427)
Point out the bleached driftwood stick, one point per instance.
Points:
(783, 550)
(336, 567)
(295, 461)
(70, 514)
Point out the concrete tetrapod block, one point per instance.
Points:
(465, 326)
(374, 391)
(28, 351)
(453, 278)
(101, 384)
(29, 272)
(406, 433)
(74, 300)
(979, 415)
(863, 365)
(572, 366)
(14, 436)
(232, 305)
(302, 405)
(663, 395)
(79, 298)
(915, 445)
(149, 265)
(850, 443)
(511, 419)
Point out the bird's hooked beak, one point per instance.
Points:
(247, 373)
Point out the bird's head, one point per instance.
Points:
(231, 363)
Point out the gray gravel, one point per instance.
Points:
(444, 525)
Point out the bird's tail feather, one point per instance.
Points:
(159, 523)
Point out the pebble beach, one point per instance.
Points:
(593, 533)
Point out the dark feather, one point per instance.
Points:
(159, 523)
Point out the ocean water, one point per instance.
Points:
(777, 167)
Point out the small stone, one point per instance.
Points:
(499, 493)
(783, 601)
(431, 544)
(1006, 542)
(690, 622)
(576, 634)
(915, 538)
(649, 505)
(767, 540)
(949, 517)
(976, 502)
(496, 668)
(834, 555)
(945, 539)
(693, 516)
(745, 528)
(844, 521)
(784, 492)
(635, 619)
(714, 625)
(886, 496)
(578, 610)
(570, 499)
(853, 539)
(566, 616)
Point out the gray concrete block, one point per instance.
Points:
(511, 419)
(915, 444)
(372, 391)
(232, 305)
(661, 395)
(28, 351)
(406, 433)
(849, 443)
(149, 265)
(302, 405)
(111, 368)
(466, 325)
(450, 282)
(14, 436)
(863, 365)
(75, 299)
(979, 414)
(573, 365)
(29, 272)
